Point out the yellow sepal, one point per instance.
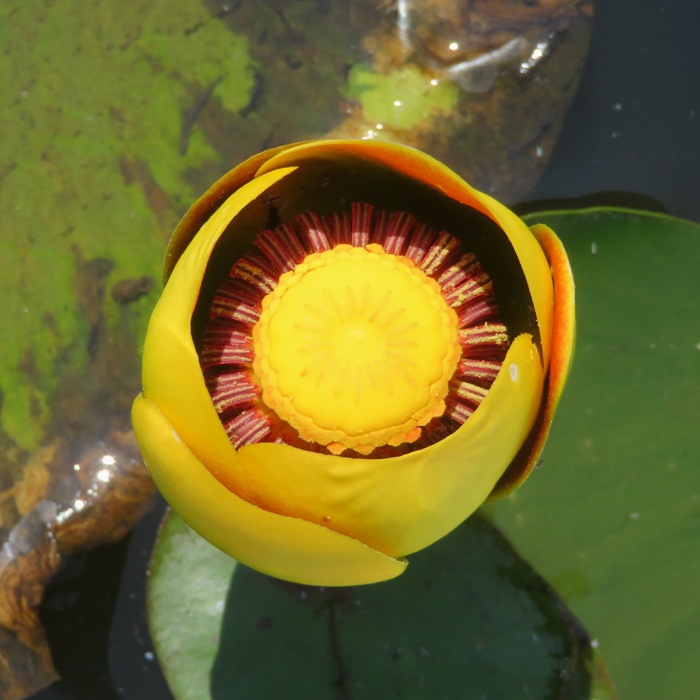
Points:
(401, 504)
(288, 548)
(562, 342)
(172, 377)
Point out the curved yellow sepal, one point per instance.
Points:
(202, 209)
(401, 504)
(563, 336)
(172, 377)
(288, 548)
(564, 311)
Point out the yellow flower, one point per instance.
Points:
(354, 349)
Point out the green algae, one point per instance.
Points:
(93, 160)
(400, 99)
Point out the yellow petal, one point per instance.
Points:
(402, 504)
(288, 548)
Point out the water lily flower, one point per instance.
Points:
(354, 349)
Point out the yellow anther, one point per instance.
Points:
(355, 348)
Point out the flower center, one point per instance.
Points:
(355, 349)
(364, 332)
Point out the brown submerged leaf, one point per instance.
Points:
(514, 67)
(85, 486)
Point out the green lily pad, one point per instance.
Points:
(188, 584)
(468, 616)
(612, 517)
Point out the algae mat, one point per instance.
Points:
(92, 180)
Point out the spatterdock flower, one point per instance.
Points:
(353, 350)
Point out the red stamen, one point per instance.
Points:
(455, 275)
(228, 305)
(471, 393)
(316, 234)
(438, 253)
(226, 344)
(486, 370)
(475, 311)
(247, 427)
(281, 247)
(419, 243)
(488, 334)
(398, 231)
(232, 390)
(360, 224)
(338, 227)
(459, 412)
(256, 272)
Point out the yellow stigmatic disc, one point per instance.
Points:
(355, 348)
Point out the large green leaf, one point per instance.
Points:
(469, 619)
(612, 518)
